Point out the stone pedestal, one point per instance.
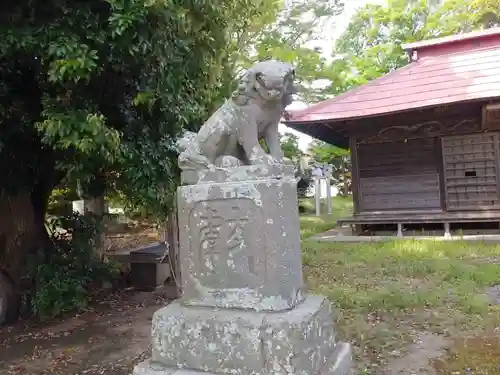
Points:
(243, 309)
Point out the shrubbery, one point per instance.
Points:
(306, 206)
(63, 274)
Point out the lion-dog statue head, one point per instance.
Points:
(270, 81)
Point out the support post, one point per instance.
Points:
(328, 195)
(447, 233)
(318, 196)
(400, 229)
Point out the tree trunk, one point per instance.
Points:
(22, 232)
(6, 294)
(97, 206)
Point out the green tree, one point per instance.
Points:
(340, 161)
(460, 16)
(250, 21)
(97, 91)
(371, 46)
(290, 147)
(285, 32)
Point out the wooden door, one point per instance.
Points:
(470, 166)
(399, 176)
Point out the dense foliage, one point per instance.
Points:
(287, 31)
(64, 275)
(290, 146)
(96, 92)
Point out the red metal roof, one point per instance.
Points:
(463, 73)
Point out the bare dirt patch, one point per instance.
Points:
(131, 235)
(417, 359)
(109, 339)
(493, 292)
(471, 355)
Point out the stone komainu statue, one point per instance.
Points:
(230, 137)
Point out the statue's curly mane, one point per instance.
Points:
(247, 85)
(246, 89)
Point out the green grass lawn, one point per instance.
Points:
(310, 224)
(387, 293)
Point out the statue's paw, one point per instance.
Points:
(227, 161)
(187, 139)
(190, 160)
(270, 160)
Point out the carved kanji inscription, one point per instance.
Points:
(227, 242)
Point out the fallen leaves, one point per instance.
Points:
(105, 339)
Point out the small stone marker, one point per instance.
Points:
(243, 310)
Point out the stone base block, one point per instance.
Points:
(300, 341)
(241, 173)
(339, 363)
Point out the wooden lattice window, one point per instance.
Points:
(470, 165)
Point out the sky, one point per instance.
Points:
(326, 41)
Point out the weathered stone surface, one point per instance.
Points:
(296, 342)
(242, 173)
(148, 367)
(204, 339)
(240, 244)
(340, 362)
(230, 137)
(301, 340)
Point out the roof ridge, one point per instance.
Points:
(448, 39)
(441, 55)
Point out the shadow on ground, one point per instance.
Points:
(107, 339)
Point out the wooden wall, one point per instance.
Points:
(402, 175)
(446, 162)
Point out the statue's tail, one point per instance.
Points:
(190, 157)
(186, 139)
